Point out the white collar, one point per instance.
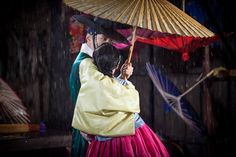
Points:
(86, 49)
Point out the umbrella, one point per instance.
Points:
(176, 100)
(11, 107)
(178, 43)
(155, 15)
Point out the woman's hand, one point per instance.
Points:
(126, 70)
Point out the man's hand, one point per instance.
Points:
(126, 70)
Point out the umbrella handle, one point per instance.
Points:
(132, 42)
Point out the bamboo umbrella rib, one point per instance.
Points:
(21, 119)
(156, 25)
(182, 20)
(8, 92)
(132, 12)
(116, 11)
(74, 4)
(12, 110)
(141, 18)
(159, 10)
(8, 115)
(169, 23)
(195, 25)
(142, 21)
(148, 14)
(17, 119)
(176, 22)
(11, 105)
(164, 26)
(4, 113)
(108, 14)
(77, 4)
(15, 104)
(121, 16)
(9, 95)
(87, 7)
(102, 9)
(130, 9)
(191, 27)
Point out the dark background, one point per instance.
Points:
(36, 62)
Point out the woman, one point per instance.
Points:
(111, 114)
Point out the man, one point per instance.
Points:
(96, 35)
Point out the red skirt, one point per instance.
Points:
(144, 143)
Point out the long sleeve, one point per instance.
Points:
(104, 106)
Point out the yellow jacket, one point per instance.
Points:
(104, 107)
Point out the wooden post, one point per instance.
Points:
(207, 105)
(208, 116)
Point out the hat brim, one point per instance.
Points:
(107, 31)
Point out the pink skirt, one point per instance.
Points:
(144, 143)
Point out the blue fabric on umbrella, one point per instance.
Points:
(180, 105)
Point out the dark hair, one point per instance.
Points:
(106, 58)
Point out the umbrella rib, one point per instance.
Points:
(141, 19)
(133, 11)
(148, 15)
(165, 27)
(3, 113)
(206, 32)
(122, 16)
(81, 7)
(8, 114)
(156, 25)
(102, 9)
(112, 15)
(169, 16)
(191, 23)
(188, 27)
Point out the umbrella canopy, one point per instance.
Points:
(156, 15)
(175, 99)
(11, 108)
(178, 43)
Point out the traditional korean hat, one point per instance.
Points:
(100, 26)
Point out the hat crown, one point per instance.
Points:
(98, 25)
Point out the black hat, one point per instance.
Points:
(100, 26)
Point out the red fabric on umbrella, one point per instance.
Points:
(182, 44)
